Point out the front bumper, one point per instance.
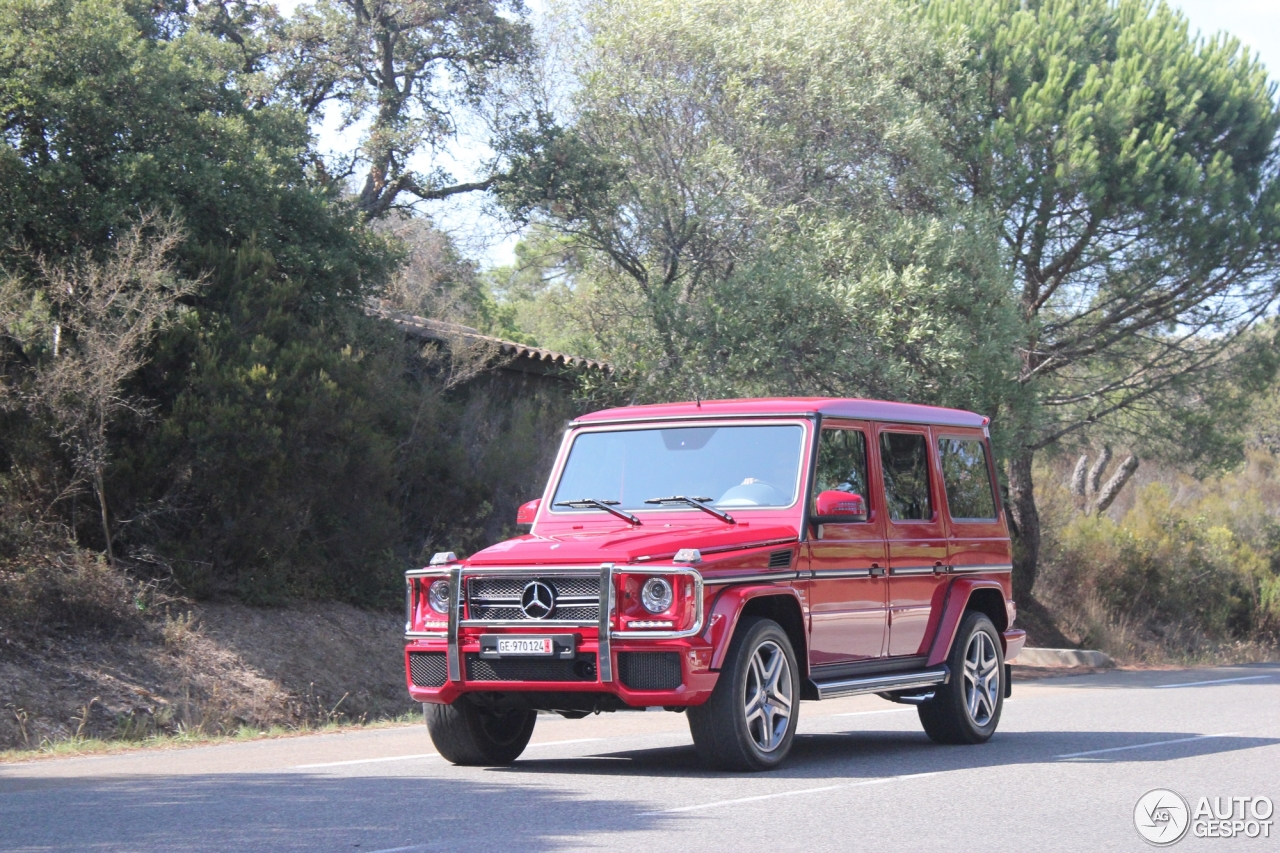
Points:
(451, 665)
(583, 675)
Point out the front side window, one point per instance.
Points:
(734, 466)
(904, 457)
(967, 479)
(842, 463)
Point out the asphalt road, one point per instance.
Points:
(1064, 772)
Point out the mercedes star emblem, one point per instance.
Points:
(538, 600)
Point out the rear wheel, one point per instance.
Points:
(466, 733)
(750, 720)
(967, 708)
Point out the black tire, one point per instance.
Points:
(468, 734)
(724, 735)
(966, 710)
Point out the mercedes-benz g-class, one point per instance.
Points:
(727, 559)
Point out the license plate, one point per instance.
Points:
(558, 646)
(525, 646)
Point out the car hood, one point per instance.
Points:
(629, 544)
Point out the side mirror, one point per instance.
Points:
(528, 511)
(839, 508)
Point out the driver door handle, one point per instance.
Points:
(877, 571)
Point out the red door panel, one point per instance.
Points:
(846, 595)
(847, 587)
(915, 531)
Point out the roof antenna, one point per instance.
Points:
(697, 397)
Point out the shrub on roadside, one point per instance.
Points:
(71, 590)
(48, 582)
(1192, 567)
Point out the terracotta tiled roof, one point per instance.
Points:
(438, 330)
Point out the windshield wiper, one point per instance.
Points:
(700, 503)
(607, 506)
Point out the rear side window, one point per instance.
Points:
(842, 462)
(905, 459)
(967, 478)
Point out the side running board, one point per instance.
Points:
(882, 683)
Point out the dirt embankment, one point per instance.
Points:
(208, 669)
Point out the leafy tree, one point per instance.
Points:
(434, 279)
(531, 299)
(1261, 424)
(84, 331)
(1133, 168)
(110, 108)
(407, 71)
(107, 113)
(757, 201)
(289, 444)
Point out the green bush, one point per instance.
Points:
(284, 444)
(1191, 564)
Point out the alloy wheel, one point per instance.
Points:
(768, 696)
(981, 678)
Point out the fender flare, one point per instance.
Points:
(958, 595)
(726, 610)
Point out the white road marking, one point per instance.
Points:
(414, 849)
(365, 761)
(1215, 681)
(1143, 745)
(745, 800)
(760, 797)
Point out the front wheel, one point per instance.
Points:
(466, 733)
(967, 708)
(750, 720)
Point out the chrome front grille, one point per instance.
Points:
(491, 598)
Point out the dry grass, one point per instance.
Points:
(1089, 623)
(138, 670)
(80, 746)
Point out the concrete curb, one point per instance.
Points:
(1063, 657)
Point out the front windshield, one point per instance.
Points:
(734, 466)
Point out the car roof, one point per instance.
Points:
(834, 407)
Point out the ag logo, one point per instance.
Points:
(1162, 817)
(538, 600)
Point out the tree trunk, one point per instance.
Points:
(1099, 468)
(101, 494)
(1109, 492)
(1078, 476)
(1026, 521)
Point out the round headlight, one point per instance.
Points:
(438, 596)
(656, 595)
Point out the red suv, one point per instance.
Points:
(727, 559)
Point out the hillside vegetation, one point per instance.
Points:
(1187, 570)
(1063, 214)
